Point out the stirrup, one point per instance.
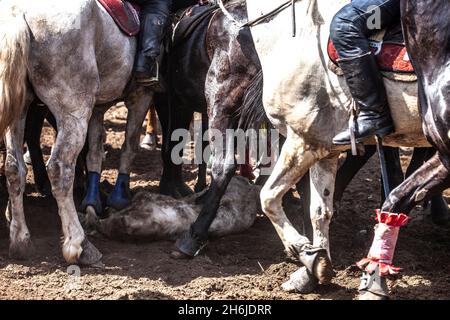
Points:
(152, 81)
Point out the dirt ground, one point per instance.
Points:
(245, 266)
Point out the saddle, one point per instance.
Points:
(185, 21)
(390, 51)
(125, 14)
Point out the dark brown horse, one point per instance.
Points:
(210, 71)
(427, 34)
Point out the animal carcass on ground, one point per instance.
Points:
(154, 216)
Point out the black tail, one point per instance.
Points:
(251, 113)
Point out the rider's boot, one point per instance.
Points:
(367, 88)
(154, 23)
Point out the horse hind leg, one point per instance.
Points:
(137, 103)
(92, 202)
(295, 160)
(322, 176)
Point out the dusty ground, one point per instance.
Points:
(246, 266)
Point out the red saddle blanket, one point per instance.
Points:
(125, 14)
(391, 57)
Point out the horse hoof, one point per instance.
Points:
(301, 281)
(184, 190)
(318, 263)
(90, 256)
(323, 268)
(21, 250)
(90, 221)
(200, 187)
(367, 295)
(189, 244)
(177, 255)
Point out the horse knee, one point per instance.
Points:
(269, 203)
(61, 177)
(16, 173)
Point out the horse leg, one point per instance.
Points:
(33, 128)
(202, 168)
(323, 176)
(137, 103)
(295, 160)
(16, 172)
(394, 168)
(440, 213)
(222, 170)
(92, 202)
(172, 183)
(431, 178)
(348, 170)
(304, 189)
(61, 169)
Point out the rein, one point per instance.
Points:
(265, 17)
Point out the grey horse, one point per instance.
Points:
(73, 57)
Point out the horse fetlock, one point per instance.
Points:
(72, 250)
(120, 198)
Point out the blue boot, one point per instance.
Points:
(92, 197)
(120, 198)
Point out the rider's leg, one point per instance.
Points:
(350, 30)
(154, 21)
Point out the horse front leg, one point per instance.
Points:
(222, 170)
(137, 103)
(431, 178)
(295, 160)
(440, 213)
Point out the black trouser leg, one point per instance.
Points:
(154, 21)
(350, 30)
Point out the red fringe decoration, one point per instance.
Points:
(391, 219)
(370, 263)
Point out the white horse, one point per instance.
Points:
(73, 57)
(309, 104)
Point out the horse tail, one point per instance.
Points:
(251, 113)
(14, 44)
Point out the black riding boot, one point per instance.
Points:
(150, 41)
(367, 88)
